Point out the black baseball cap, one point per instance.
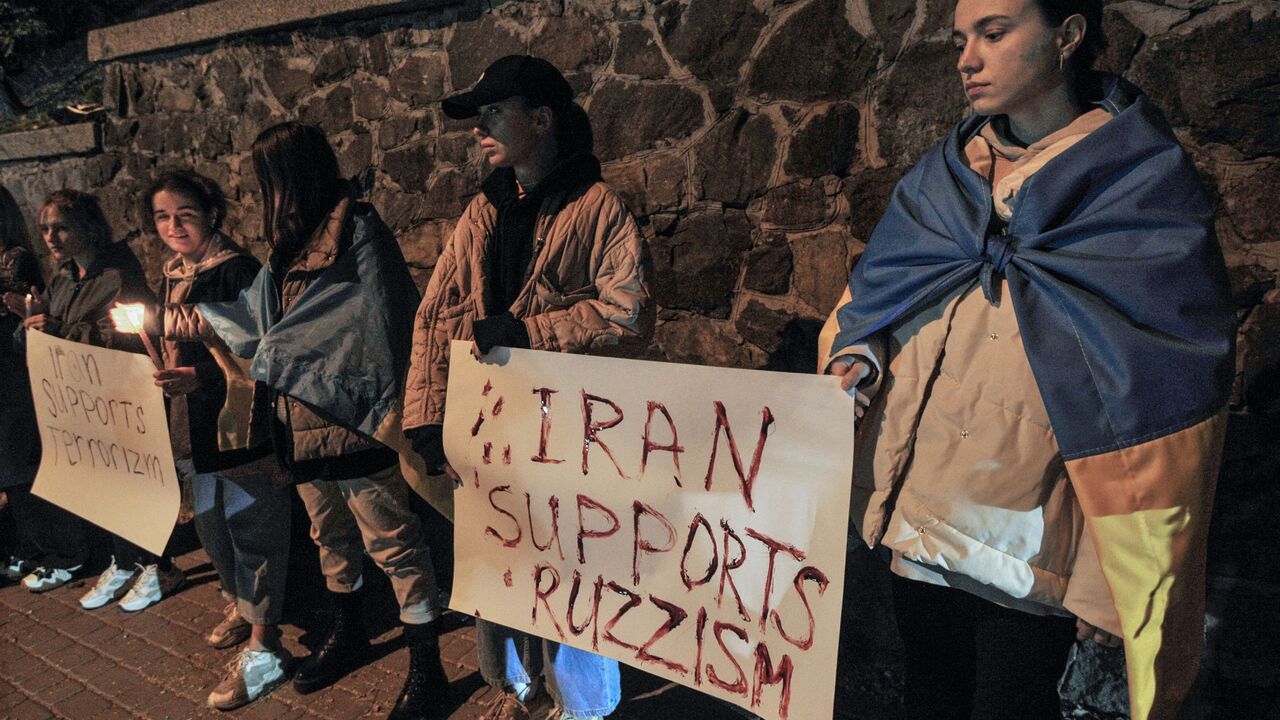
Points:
(534, 78)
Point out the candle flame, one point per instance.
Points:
(128, 317)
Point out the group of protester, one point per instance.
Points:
(1038, 338)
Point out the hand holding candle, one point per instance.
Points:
(129, 318)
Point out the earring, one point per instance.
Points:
(1062, 59)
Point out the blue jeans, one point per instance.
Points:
(583, 684)
(243, 524)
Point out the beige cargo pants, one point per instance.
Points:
(350, 517)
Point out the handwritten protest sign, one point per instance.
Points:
(106, 453)
(689, 521)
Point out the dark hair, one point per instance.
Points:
(1095, 40)
(192, 185)
(300, 182)
(572, 129)
(13, 229)
(83, 213)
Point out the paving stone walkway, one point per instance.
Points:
(57, 660)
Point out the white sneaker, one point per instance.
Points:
(15, 568)
(252, 674)
(44, 579)
(109, 586)
(151, 585)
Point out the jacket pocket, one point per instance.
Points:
(454, 306)
(549, 293)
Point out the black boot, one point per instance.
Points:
(426, 688)
(344, 649)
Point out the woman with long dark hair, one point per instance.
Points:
(19, 439)
(493, 285)
(1042, 336)
(327, 324)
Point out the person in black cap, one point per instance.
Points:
(545, 257)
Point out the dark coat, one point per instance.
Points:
(81, 304)
(19, 441)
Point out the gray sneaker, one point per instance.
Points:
(252, 674)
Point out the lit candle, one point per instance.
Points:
(128, 318)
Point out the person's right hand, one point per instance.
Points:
(177, 381)
(42, 322)
(15, 303)
(851, 372)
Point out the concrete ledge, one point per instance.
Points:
(216, 20)
(49, 142)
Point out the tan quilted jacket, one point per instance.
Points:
(586, 289)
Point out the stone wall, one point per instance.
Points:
(755, 141)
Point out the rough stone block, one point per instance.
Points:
(867, 195)
(409, 166)
(708, 246)
(419, 80)
(354, 151)
(703, 341)
(287, 78)
(396, 130)
(627, 179)
(922, 100)
(456, 149)
(713, 39)
(638, 53)
(822, 264)
(762, 325)
(369, 97)
(331, 111)
(630, 117)
(572, 42)
(64, 140)
(735, 160)
(796, 206)
(825, 145)
(664, 181)
(336, 63)
(1182, 72)
(815, 55)
(475, 45)
(769, 266)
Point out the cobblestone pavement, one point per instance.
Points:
(57, 660)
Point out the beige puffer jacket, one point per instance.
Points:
(586, 289)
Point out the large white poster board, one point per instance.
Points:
(687, 520)
(106, 455)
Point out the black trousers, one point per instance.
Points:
(127, 555)
(970, 659)
(49, 535)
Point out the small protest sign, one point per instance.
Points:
(105, 442)
(690, 521)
